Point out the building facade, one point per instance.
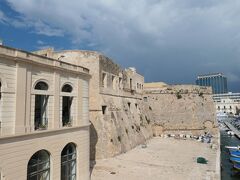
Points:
(117, 112)
(228, 104)
(217, 81)
(44, 121)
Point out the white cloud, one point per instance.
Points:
(40, 42)
(153, 34)
(44, 29)
(2, 17)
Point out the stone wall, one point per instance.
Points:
(123, 117)
(181, 109)
(118, 115)
(124, 125)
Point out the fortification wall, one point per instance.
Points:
(120, 118)
(180, 109)
(125, 124)
(117, 112)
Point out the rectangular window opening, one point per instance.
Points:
(145, 99)
(104, 80)
(104, 109)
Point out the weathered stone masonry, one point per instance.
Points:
(117, 113)
(187, 109)
(124, 114)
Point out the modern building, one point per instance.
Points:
(44, 118)
(228, 104)
(217, 81)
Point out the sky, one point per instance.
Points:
(166, 40)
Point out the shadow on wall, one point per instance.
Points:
(93, 142)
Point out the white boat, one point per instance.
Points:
(231, 133)
(233, 147)
(221, 114)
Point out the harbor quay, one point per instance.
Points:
(232, 128)
(161, 159)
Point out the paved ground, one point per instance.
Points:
(163, 159)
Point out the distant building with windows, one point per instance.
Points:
(217, 81)
(228, 103)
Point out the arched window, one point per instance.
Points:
(39, 166)
(66, 106)
(68, 162)
(41, 86)
(67, 88)
(41, 105)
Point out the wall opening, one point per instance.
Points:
(145, 99)
(104, 80)
(39, 166)
(129, 105)
(113, 82)
(130, 83)
(66, 110)
(40, 117)
(67, 105)
(68, 162)
(120, 83)
(104, 109)
(41, 104)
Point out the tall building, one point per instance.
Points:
(44, 118)
(217, 81)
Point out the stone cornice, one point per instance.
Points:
(27, 57)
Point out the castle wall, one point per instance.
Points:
(117, 112)
(124, 125)
(181, 108)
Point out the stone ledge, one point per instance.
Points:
(39, 134)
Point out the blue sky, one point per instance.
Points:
(164, 39)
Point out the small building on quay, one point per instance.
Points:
(44, 117)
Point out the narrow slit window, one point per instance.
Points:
(104, 109)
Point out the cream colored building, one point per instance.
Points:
(228, 103)
(44, 118)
